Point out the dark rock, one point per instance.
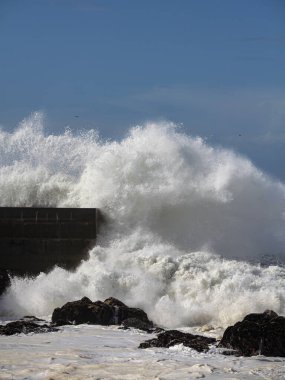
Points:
(257, 334)
(261, 318)
(174, 337)
(25, 327)
(273, 343)
(137, 313)
(32, 318)
(111, 301)
(4, 280)
(137, 324)
(111, 311)
(83, 311)
(122, 312)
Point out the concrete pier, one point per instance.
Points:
(34, 240)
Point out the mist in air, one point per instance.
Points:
(188, 224)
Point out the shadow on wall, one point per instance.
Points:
(34, 240)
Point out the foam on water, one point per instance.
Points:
(186, 221)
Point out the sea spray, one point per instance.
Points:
(186, 221)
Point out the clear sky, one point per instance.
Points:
(215, 66)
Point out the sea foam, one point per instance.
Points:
(187, 223)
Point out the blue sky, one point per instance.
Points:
(215, 66)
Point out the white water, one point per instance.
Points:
(95, 352)
(186, 221)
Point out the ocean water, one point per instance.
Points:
(94, 352)
(188, 226)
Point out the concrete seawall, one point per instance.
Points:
(34, 240)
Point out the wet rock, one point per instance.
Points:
(261, 318)
(31, 318)
(25, 327)
(257, 334)
(122, 312)
(111, 301)
(4, 280)
(174, 337)
(83, 311)
(137, 324)
(136, 313)
(273, 343)
(111, 311)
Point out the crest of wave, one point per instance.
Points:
(178, 212)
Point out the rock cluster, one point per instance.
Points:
(111, 311)
(257, 334)
(26, 325)
(174, 337)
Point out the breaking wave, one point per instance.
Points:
(188, 224)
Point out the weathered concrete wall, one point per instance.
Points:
(33, 240)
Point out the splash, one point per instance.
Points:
(186, 222)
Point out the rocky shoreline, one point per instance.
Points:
(256, 334)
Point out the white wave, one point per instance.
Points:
(180, 212)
